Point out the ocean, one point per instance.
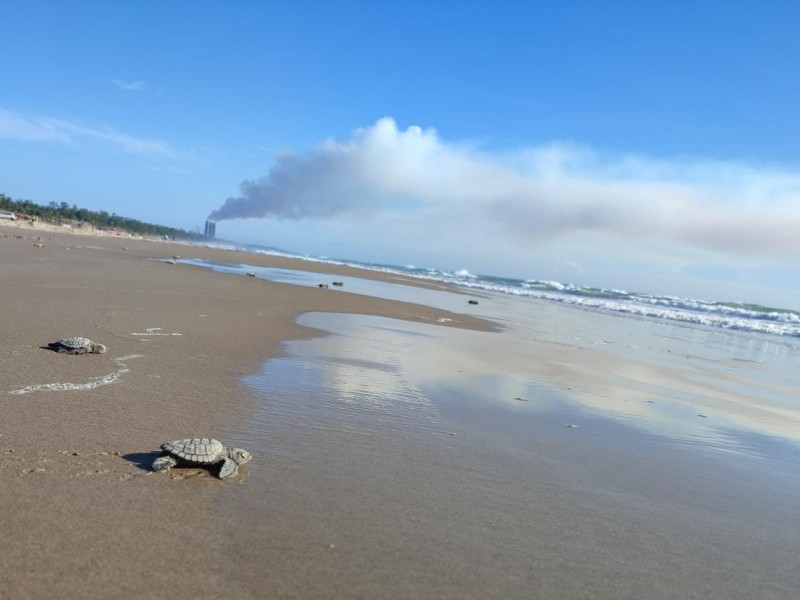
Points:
(736, 316)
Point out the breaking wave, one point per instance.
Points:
(726, 315)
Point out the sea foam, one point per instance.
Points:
(726, 315)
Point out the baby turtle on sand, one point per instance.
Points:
(77, 345)
(201, 451)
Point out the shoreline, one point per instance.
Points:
(391, 459)
(42, 232)
(748, 318)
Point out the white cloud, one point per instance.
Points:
(530, 196)
(123, 141)
(17, 127)
(42, 129)
(129, 86)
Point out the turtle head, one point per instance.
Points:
(239, 456)
(99, 348)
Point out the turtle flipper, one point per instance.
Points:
(228, 469)
(57, 347)
(164, 463)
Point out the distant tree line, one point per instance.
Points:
(101, 220)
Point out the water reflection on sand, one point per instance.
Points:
(567, 450)
(721, 390)
(688, 390)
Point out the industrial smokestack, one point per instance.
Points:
(211, 230)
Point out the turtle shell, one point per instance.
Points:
(74, 343)
(196, 450)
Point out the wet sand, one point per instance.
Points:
(434, 480)
(84, 517)
(385, 465)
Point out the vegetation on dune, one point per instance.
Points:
(60, 213)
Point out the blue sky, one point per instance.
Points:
(647, 146)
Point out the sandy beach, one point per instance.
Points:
(365, 489)
(83, 517)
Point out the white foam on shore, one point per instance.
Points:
(747, 318)
(89, 385)
(154, 331)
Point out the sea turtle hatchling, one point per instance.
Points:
(201, 451)
(77, 345)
